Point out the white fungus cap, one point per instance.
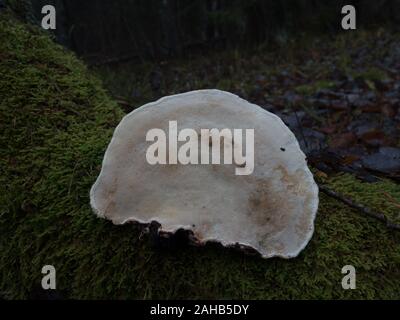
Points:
(271, 210)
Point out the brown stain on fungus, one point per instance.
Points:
(270, 207)
(264, 207)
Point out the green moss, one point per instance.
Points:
(383, 196)
(56, 121)
(309, 89)
(372, 74)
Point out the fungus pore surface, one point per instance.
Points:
(271, 210)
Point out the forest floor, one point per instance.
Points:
(340, 97)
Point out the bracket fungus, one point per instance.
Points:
(270, 206)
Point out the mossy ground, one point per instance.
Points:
(55, 123)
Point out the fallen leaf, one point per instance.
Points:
(343, 140)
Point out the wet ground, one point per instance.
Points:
(341, 96)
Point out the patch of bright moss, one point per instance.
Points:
(383, 196)
(55, 123)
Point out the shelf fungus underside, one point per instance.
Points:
(271, 210)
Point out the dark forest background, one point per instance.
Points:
(99, 30)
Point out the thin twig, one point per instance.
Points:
(376, 215)
(301, 130)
